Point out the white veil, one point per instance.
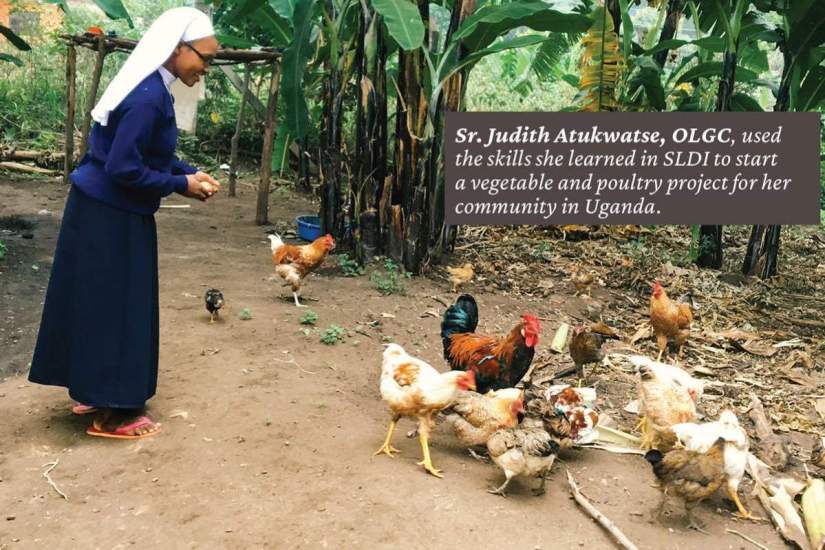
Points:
(157, 44)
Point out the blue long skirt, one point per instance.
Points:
(99, 332)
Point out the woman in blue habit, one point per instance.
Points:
(99, 332)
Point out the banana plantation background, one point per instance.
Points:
(365, 85)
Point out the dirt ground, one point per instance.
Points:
(268, 434)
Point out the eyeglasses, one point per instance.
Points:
(206, 60)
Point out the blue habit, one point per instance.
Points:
(99, 331)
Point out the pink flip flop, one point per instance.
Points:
(81, 409)
(123, 431)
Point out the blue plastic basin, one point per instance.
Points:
(309, 227)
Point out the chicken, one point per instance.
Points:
(497, 362)
(701, 437)
(214, 302)
(293, 263)
(461, 275)
(475, 417)
(668, 396)
(670, 320)
(691, 475)
(586, 345)
(582, 282)
(525, 450)
(414, 389)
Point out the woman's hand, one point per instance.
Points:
(201, 186)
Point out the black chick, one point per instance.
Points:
(214, 302)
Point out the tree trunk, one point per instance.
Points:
(674, 14)
(71, 99)
(332, 201)
(90, 101)
(262, 209)
(710, 236)
(615, 11)
(409, 223)
(236, 137)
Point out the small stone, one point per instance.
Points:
(10, 518)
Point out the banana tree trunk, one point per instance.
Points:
(442, 237)
(710, 236)
(674, 14)
(406, 212)
(371, 136)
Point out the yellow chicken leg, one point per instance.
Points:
(425, 450)
(387, 448)
(743, 513)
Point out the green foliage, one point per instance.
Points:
(332, 335)
(309, 318)
(246, 314)
(391, 281)
(3, 250)
(350, 266)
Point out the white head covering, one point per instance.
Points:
(157, 44)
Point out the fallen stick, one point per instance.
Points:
(52, 466)
(623, 541)
(750, 540)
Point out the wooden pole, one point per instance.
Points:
(262, 210)
(90, 101)
(71, 92)
(236, 137)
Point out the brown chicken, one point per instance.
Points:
(293, 263)
(525, 450)
(475, 417)
(460, 275)
(586, 345)
(691, 475)
(670, 320)
(582, 282)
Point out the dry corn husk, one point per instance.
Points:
(813, 510)
(560, 339)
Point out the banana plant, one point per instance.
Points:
(15, 41)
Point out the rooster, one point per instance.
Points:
(668, 396)
(701, 437)
(475, 417)
(293, 263)
(414, 389)
(497, 362)
(670, 320)
(691, 475)
(525, 450)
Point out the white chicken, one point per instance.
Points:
(668, 396)
(701, 437)
(414, 389)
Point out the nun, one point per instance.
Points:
(99, 331)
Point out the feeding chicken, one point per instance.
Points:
(460, 275)
(582, 282)
(525, 450)
(701, 437)
(414, 389)
(475, 417)
(293, 263)
(691, 475)
(670, 320)
(586, 345)
(497, 362)
(214, 302)
(668, 396)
